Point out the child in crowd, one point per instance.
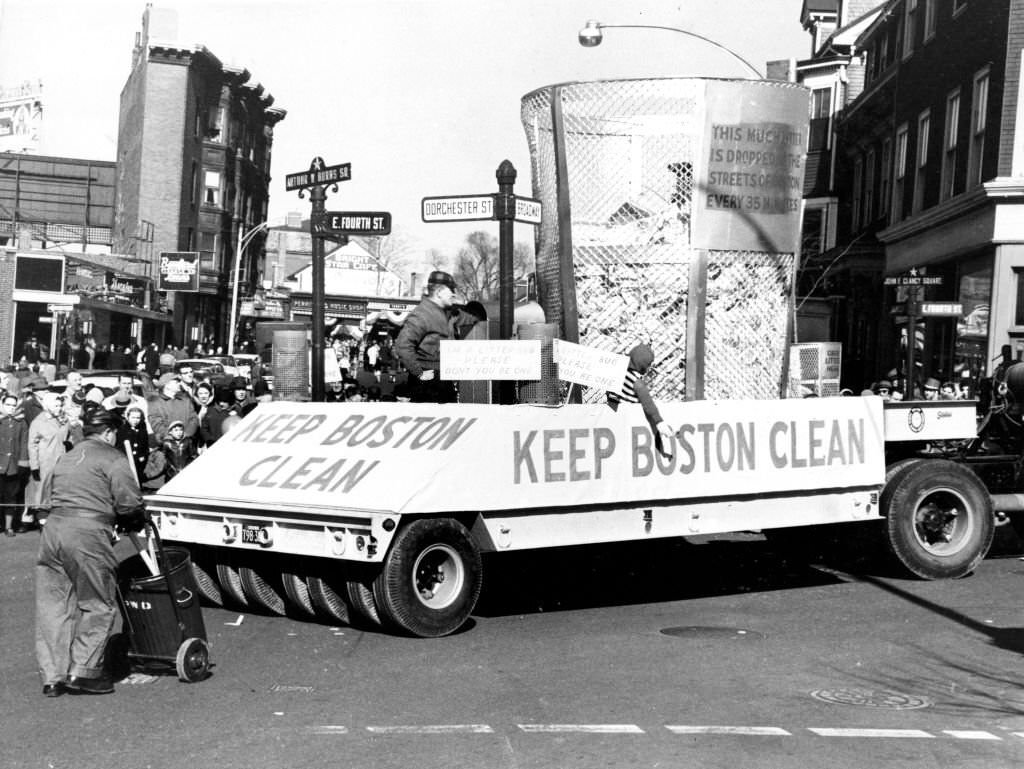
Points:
(178, 450)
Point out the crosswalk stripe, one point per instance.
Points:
(586, 728)
(433, 729)
(751, 730)
(970, 735)
(327, 729)
(871, 733)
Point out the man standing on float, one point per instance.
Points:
(419, 343)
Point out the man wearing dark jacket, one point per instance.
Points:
(167, 406)
(419, 343)
(92, 488)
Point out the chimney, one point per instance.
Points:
(293, 220)
(25, 237)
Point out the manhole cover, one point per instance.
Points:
(713, 633)
(871, 698)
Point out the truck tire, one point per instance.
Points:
(359, 594)
(258, 586)
(296, 592)
(939, 519)
(327, 600)
(230, 581)
(431, 578)
(203, 570)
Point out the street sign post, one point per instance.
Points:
(318, 178)
(366, 223)
(458, 208)
(318, 174)
(506, 208)
(942, 309)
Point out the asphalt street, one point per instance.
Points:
(723, 652)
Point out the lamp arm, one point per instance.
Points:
(728, 50)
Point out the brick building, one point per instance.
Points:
(193, 159)
(928, 182)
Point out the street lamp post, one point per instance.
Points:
(591, 36)
(243, 241)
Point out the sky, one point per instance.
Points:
(422, 97)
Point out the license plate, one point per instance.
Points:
(254, 535)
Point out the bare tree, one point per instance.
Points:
(477, 265)
(392, 253)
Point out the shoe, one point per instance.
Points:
(79, 685)
(53, 690)
(24, 528)
(9, 532)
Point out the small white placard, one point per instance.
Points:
(332, 371)
(588, 366)
(491, 359)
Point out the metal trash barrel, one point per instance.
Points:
(152, 617)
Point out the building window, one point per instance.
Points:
(869, 187)
(947, 187)
(885, 177)
(929, 19)
(207, 250)
(858, 191)
(821, 113)
(979, 110)
(1018, 310)
(215, 124)
(211, 188)
(924, 123)
(899, 171)
(909, 27)
(195, 182)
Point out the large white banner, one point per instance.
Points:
(405, 458)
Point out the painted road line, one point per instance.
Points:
(971, 735)
(750, 730)
(433, 729)
(912, 733)
(327, 729)
(583, 728)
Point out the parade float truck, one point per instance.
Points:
(384, 509)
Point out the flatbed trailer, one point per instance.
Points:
(382, 510)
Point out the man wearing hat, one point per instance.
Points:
(931, 389)
(170, 405)
(92, 490)
(419, 343)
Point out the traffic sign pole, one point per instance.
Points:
(317, 180)
(506, 175)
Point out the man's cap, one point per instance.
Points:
(170, 376)
(641, 357)
(99, 419)
(239, 383)
(442, 278)
(931, 383)
(175, 423)
(885, 384)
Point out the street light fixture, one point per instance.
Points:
(243, 241)
(591, 36)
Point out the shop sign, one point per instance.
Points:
(331, 306)
(179, 271)
(393, 306)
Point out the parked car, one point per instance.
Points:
(229, 362)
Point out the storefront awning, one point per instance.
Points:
(124, 309)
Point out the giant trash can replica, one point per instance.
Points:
(163, 618)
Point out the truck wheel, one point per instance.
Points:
(939, 519)
(297, 592)
(202, 570)
(431, 578)
(326, 600)
(230, 581)
(359, 593)
(260, 590)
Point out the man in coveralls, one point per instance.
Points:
(419, 342)
(93, 489)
